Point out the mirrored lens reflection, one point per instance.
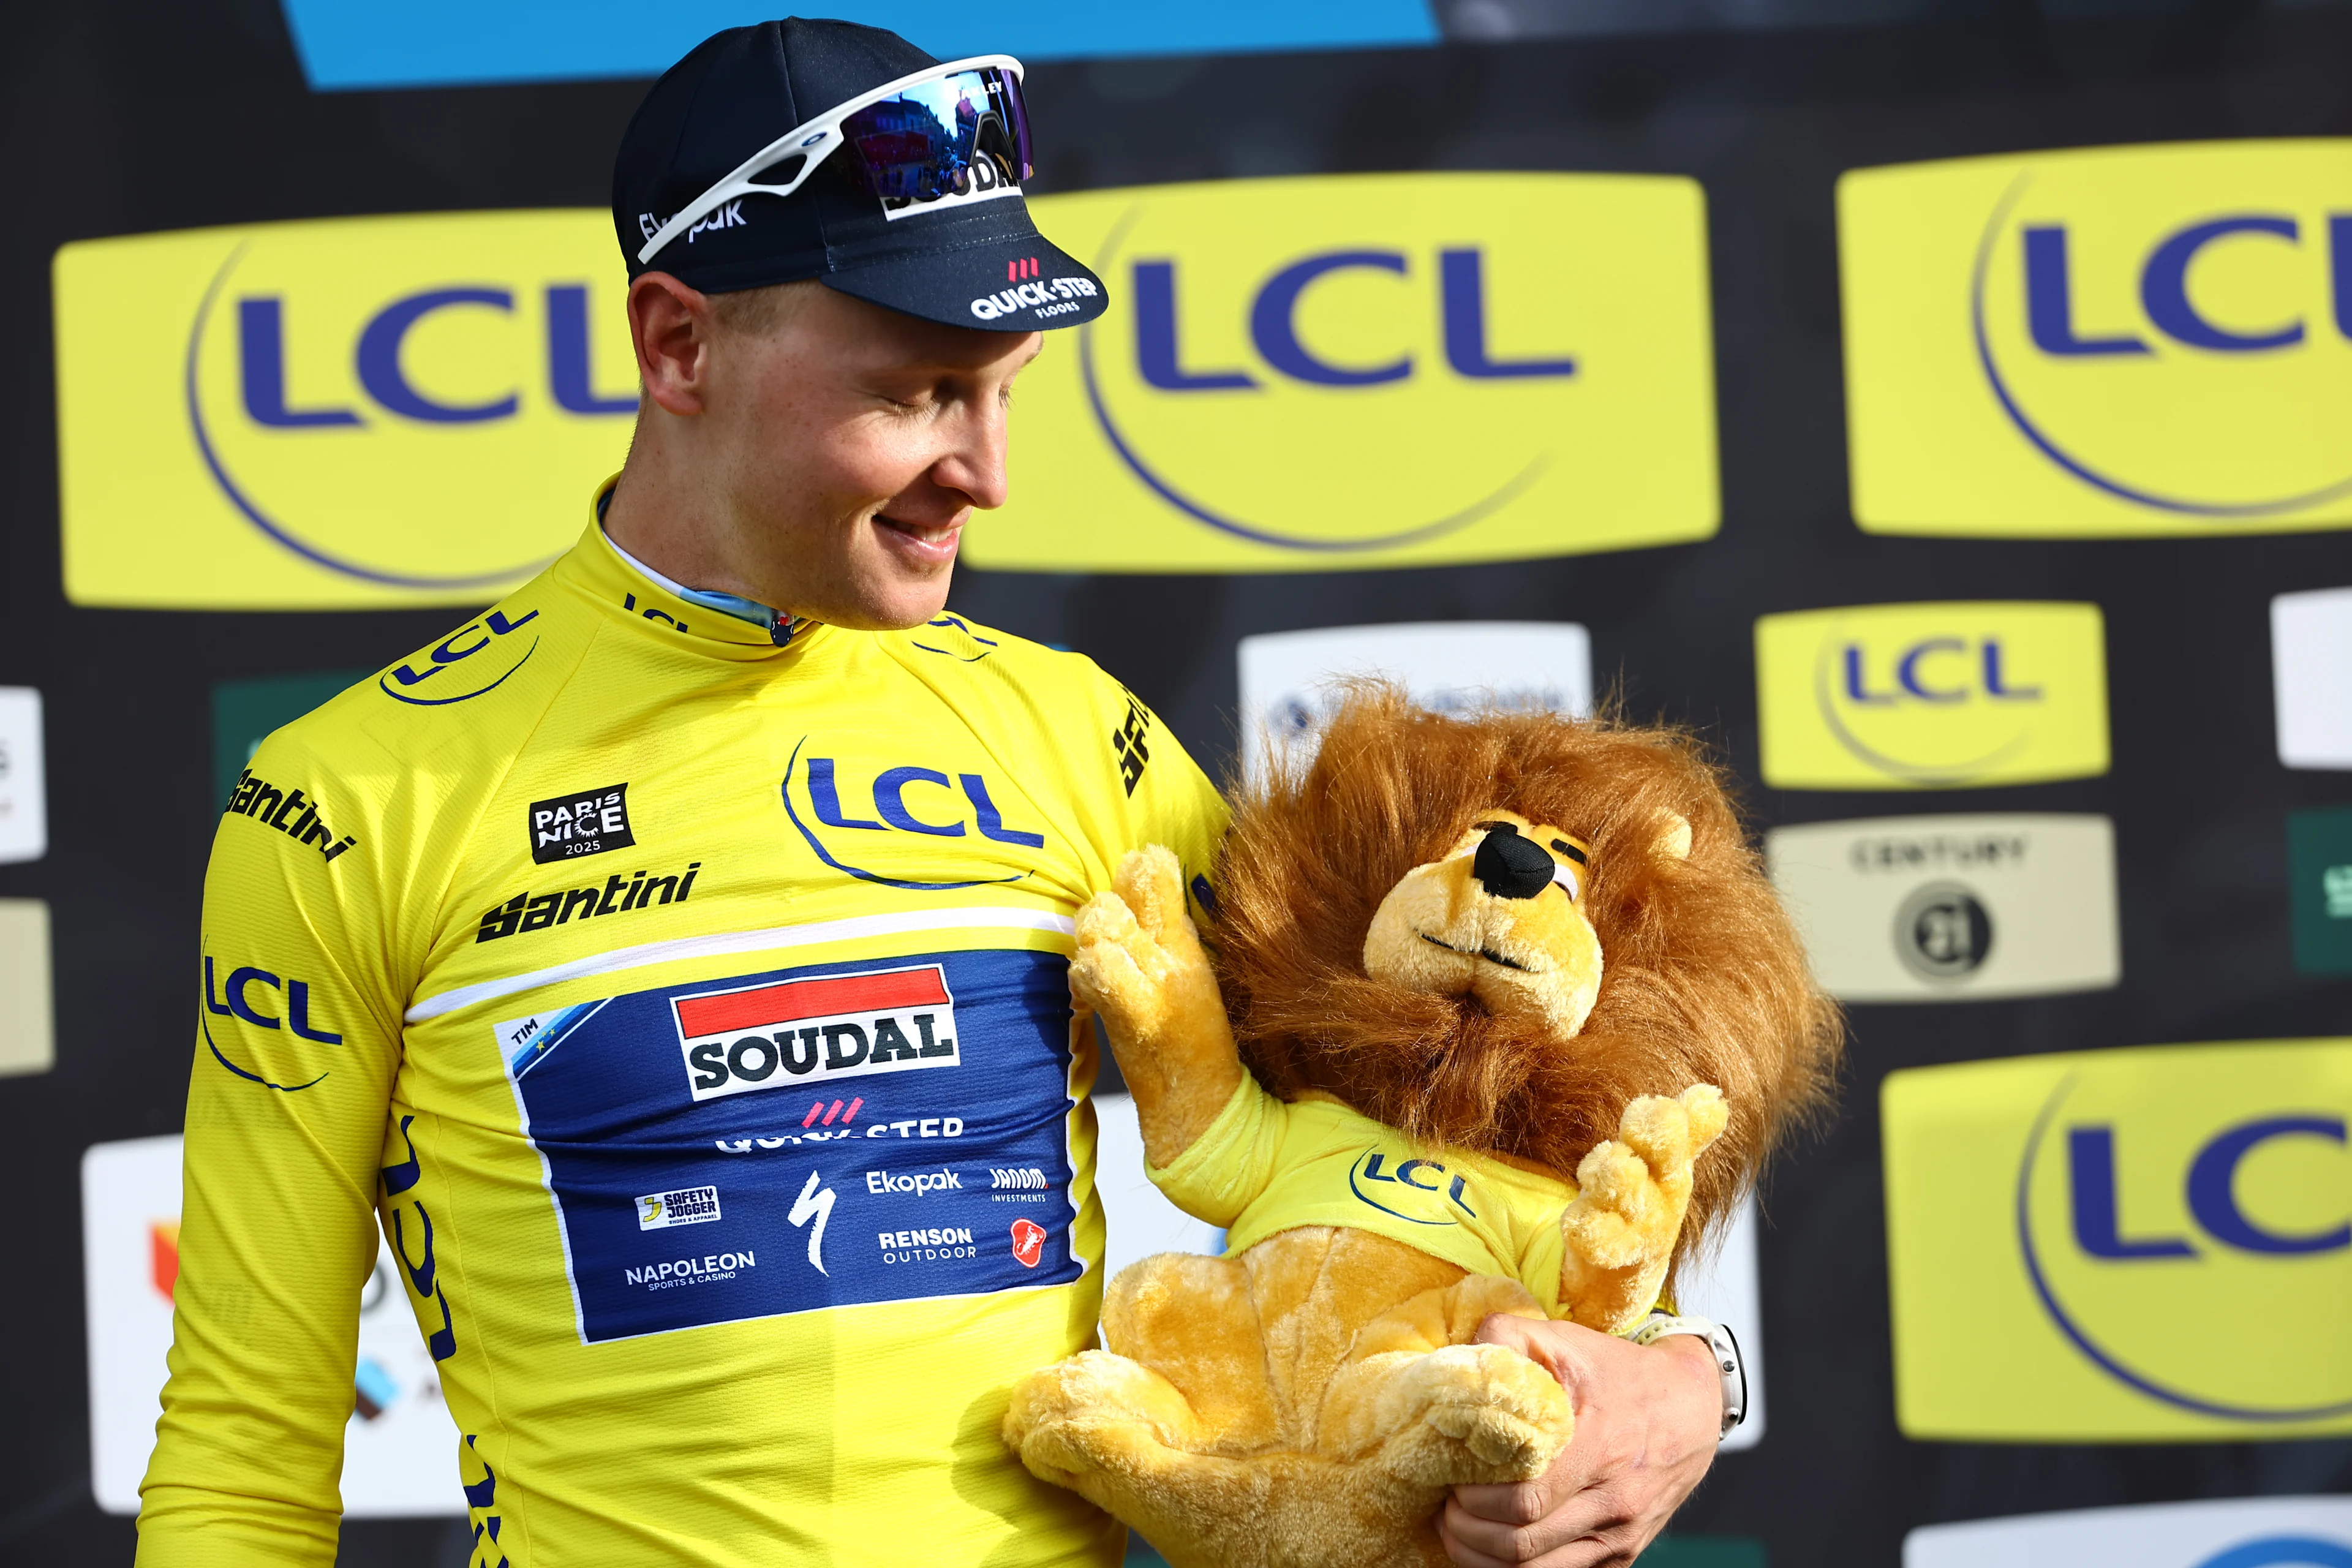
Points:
(941, 138)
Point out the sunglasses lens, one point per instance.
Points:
(963, 137)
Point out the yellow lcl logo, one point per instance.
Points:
(2097, 344)
(2078, 1241)
(337, 412)
(1935, 696)
(1310, 375)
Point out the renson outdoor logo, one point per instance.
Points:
(2117, 1212)
(930, 803)
(2128, 340)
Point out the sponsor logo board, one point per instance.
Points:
(2311, 677)
(397, 1446)
(1451, 667)
(2235, 1533)
(24, 777)
(28, 1039)
(1371, 370)
(1931, 696)
(2319, 864)
(2101, 342)
(1953, 909)
(328, 413)
(2075, 1240)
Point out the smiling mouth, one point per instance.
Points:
(1489, 953)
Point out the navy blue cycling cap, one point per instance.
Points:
(819, 149)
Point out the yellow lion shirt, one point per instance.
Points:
(1265, 1167)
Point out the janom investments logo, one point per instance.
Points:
(1931, 696)
(338, 412)
(2101, 342)
(2076, 1242)
(1316, 374)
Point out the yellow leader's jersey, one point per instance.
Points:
(691, 1014)
(1265, 1167)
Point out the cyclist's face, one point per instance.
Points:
(856, 442)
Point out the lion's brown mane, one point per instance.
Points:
(1704, 978)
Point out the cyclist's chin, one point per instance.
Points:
(888, 598)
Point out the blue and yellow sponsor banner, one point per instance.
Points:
(342, 412)
(1394, 370)
(2122, 1245)
(1931, 696)
(2101, 343)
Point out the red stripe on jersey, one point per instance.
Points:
(769, 1006)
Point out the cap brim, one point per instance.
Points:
(1014, 282)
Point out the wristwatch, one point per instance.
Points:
(1728, 1364)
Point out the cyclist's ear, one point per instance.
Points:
(670, 327)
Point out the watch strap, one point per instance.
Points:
(1730, 1366)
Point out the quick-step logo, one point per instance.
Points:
(801, 1032)
(333, 411)
(1372, 370)
(2101, 342)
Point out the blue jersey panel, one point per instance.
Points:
(829, 1135)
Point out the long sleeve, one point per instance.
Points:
(298, 1043)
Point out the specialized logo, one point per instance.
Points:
(2311, 677)
(288, 810)
(1391, 1190)
(1028, 1242)
(1288, 678)
(619, 895)
(2093, 1290)
(594, 823)
(328, 414)
(2235, 1533)
(962, 807)
(808, 1031)
(1312, 373)
(688, 1205)
(2101, 342)
(1935, 696)
(2319, 869)
(1953, 909)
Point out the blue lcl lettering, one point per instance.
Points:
(379, 357)
(2098, 1229)
(2164, 288)
(1463, 289)
(1156, 354)
(2211, 1192)
(261, 349)
(2050, 301)
(568, 358)
(1274, 325)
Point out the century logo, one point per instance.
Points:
(1953, 909)
(2095, 1287)
(2132, 340)
(1933, 696)
(1369, 370)
(796, 1033)
(331, 412)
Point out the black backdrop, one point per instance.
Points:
(125, 117)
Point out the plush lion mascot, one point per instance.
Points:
(1502, 1017)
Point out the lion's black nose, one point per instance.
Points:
(1511, 866)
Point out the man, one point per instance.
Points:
(673, 960)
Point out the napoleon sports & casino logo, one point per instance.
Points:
(2101, 342)
(2086, 1247)
(1931, 696)
(1316, 374)
(336, 412)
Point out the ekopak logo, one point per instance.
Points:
(1931, 696)
(2152, 1198)
(2120, 340)
(1372, 370)
(360, 411)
